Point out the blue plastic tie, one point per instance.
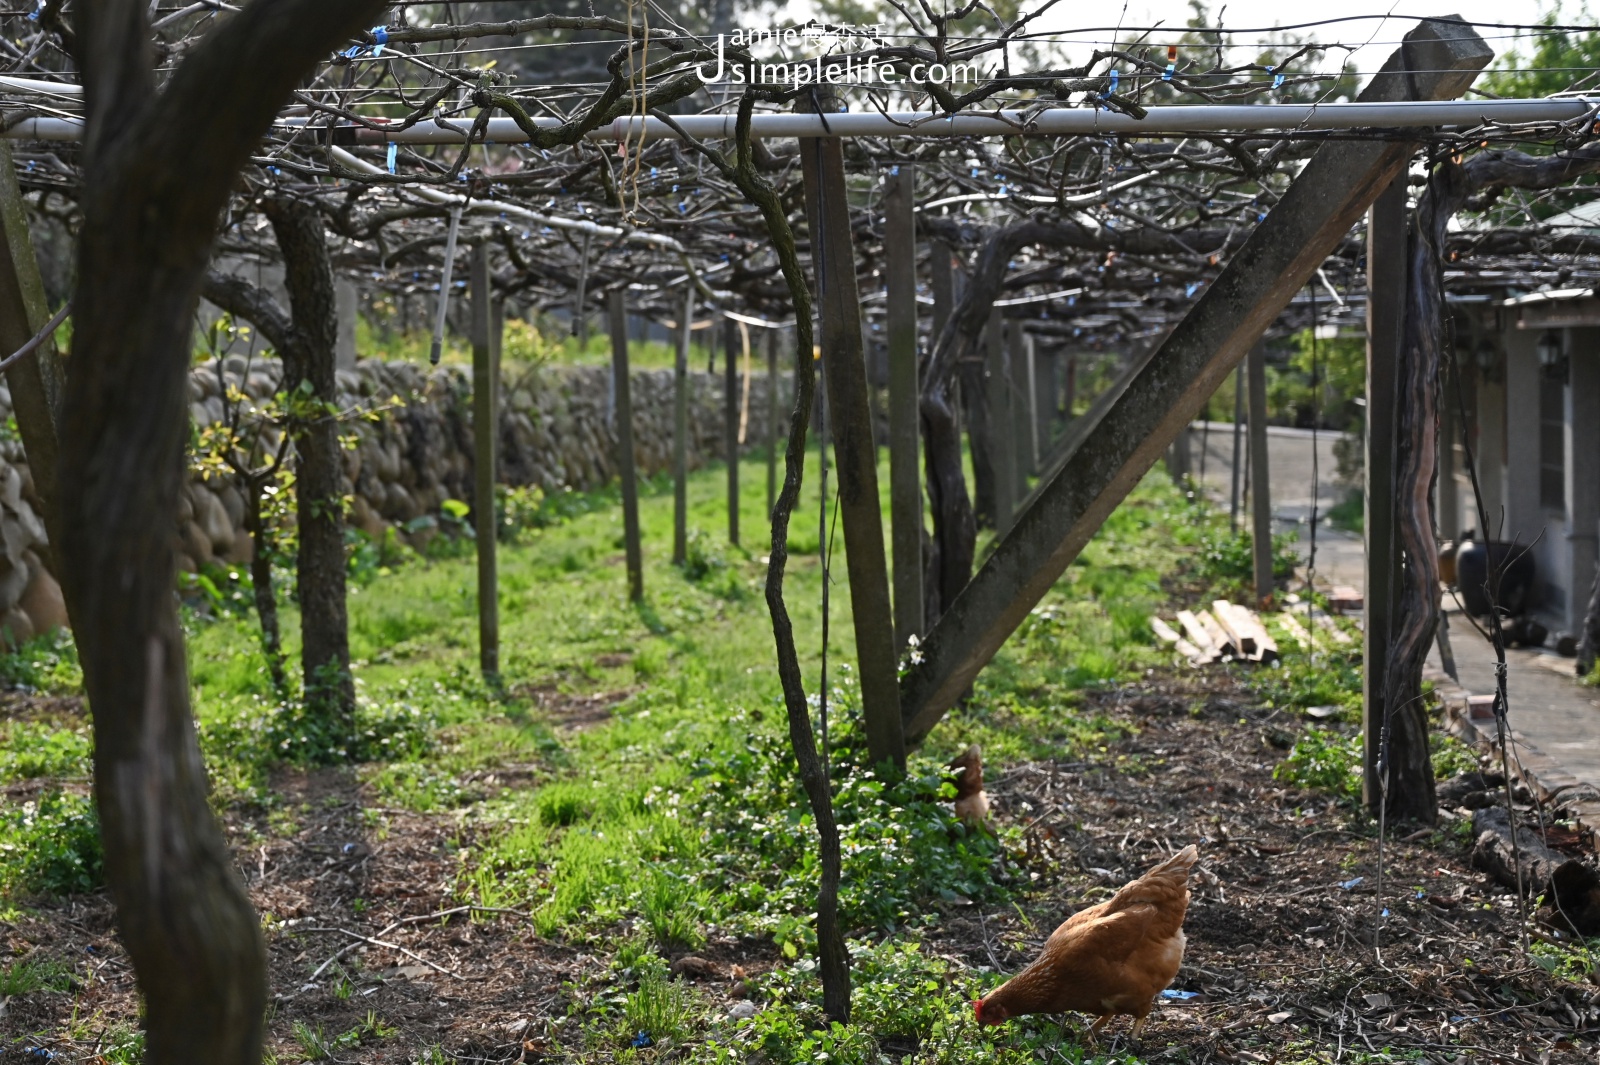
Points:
(1114, 76)
(380, 37)
(1168, 75)
(1277, 78)
(642, 1040)
(1350, 884)
(1181, 996)
(1191, 288)
(894, 171)
(394, 154)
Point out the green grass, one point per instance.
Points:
(677, 812)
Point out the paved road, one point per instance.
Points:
(1546, 704)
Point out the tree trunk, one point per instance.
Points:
(1407, 766)
(308, 364)
(158, 172)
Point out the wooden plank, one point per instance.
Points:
(1237, 629)
(624, 414)
(1165, 633)
(855, 453)
(1438, 59)
(905, 420)
(1218, 635)
(1296, 630)
(485, 430)
(1197, 632)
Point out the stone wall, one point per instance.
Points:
(557, 432)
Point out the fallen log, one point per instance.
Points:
(1571, 887)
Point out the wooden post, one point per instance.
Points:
(942, 277)
(1260, 484)
(36, 382)
(580, 312)
(772, 420)
(1019, 391)
(855, 454)
(1437, 60)
(905, 422)
(1046, 392)
(1386, 298)
(623, 412)
(1238, 450)
(485, 397)
(730, 421)
(680, 433)
(1002, 437)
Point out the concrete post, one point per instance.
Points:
(622, 389)
(1386, 297)
(905, 422)
(1260, 482)
(1438, 59)
(855, 455)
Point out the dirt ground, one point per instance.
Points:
(1281, 954)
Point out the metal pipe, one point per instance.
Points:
(1056, 121)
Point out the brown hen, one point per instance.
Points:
(1109, 959)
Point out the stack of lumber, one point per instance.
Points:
(1227, 632)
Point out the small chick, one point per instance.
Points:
(972, 802)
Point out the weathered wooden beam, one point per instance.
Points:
(36, 382)
(680, 434)
(1437, 60)
(905, 420)
(1002, 437)
(1260, 482)
(485, 423)
(855, 455)
(1019, 347)
(730, 421)
(623, 412)
(1386, 301)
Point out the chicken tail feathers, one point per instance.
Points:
(1169, 880)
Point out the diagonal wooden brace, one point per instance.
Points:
(1437, 60)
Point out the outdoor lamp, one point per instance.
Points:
(1552, 354)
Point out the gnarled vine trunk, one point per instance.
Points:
(308, 378)
(158, 171)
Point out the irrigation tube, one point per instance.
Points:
(1050, 122)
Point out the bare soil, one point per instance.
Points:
(1288, 955)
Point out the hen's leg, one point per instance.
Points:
(1138, 1025)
